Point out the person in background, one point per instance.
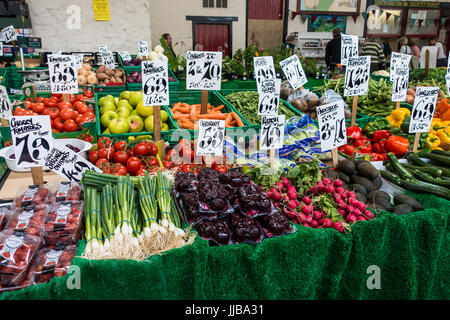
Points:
(290, 42)
(168, 39)
(199, 47)
(403, 44)
(376, 54)
(333, 50)
(415, 50)
(441, 59)
(387, 50)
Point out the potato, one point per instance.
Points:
(83, 72)
(313, 101)
(86, 66)
(91, 73)
(112, 79)
(117, 73)
(101, 69)
(102, 76)
(409, 99)
(82, 80)
(106, 81)
(109, 72)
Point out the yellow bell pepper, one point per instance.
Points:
(434, 141)
(436, 125)
(393, 122)
(444, 137)
(399, 114)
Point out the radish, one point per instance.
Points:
(301, 217)
(285, 198)
(292, 195)
(356, 212)
(362, 206)
(327, 223)
(326, 181)
(314, 190)
(306, 225)
(340, 191)
(341, 212)
(308, 219)
(338, 226)
(331, 188)
(285, 181)
(307, 209)
(314, 224)
(361, 218)
(269, 194)
(337, 197)
(368, 214)
(273, 190)
(291, 214)
(298, 203)
(307, 200)
(276, 196)
(341, 205)
(351, 194)
(292, 205)
(280, 186)
(338, 183)
(276, 204)
(351, 218)
(317, 215)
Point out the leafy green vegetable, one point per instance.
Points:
(305, 175)
(266, 175)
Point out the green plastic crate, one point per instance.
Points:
(238, 84)
(313, 83)
(113, 90)
(164, 134)
(173, 85)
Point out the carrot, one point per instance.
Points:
(187, 124)
(228, 119)
(218, 108)
(184, 110)
(178, 116)
(194, 112)
(238, 120)
(221, 116)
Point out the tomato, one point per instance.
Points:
(88, 116)
(27, 105)
(120, 157)
(167, 164)
(170, 154)
(153, 149)
(63, 105)
(58, 124)
(154, 162)
(45, 101)
(46, 111)
(133, 164)
(120, 145)
(100, 162)
(185, 168)
(38, 107)
(57, 95)
(72, 98)
(88, 93)
(55, 131)
(19, 111)
(93, 156)
(67, 113)
(119, 169)
(140, 172)
(80, 97)
(221, 168)
(141, 149)
(82, 108)
(28, 113)
(77, 104)
(106, 153)
(54, 113)
(8, 143)
(104, 142)
(70, 125)
(52, 102)
(39, 99)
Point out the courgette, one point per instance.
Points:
(441, 152)
(435, 172)
(443, 160)
(391, 177)
(428, 178)
(425, 187)
(417, 161)
(402, 171)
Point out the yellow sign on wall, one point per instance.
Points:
(101, 10)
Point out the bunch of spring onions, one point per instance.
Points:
(125, 221)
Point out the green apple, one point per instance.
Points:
(164, 116)
(144, 111)
(136, 123)
(134, 112)
(124, 103)
(149, 123)
(164, 127)
(119, 125)
(107, 106)
(125, 95)
(135, 98)
(123, 112)
(109, 97)
(107, 117)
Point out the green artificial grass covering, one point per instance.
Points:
(412, 252)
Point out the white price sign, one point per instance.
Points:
(1, 49)
(264, 69)
(63, 74)
(78, 61)
(102, 49)
(269, 97)
(57, 52)
(155, 83)
(331, 118)
(400, 84)
(293, 71)
(204, 70)
(423, 110)
(349, 48)
(125, 55)
(447, 80)
(448, 64)
(331, 96)
(108, 60)
(66, 162)
(211, 135)
(272, 132)
(5, 104)
(398, 60)
(143, 48)
(8, 34)
(32, 139)
(357, 76)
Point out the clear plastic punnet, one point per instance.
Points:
(63, 222)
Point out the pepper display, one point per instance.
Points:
(377, 124)
(397, 145)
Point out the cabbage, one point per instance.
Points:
(158, 49)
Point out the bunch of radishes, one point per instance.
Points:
(308, 214)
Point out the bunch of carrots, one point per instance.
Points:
(187, 115)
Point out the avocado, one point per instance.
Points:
(405, 199)
(358, 188)
(346, 166)
(384, 203)
(375, 206)
(367, 170)
(345, 178)
(378, 194)
(377, 182)
(402, 209)
(366, 183)
(361, 197)
(330, 174)
(357, 162)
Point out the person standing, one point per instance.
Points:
(403, 44)
(441, 59)
(333, 50)
(168, 39)
(290, 42)
(415, 50)
(376, 54)
(387, 49)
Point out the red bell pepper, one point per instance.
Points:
(397, 145)
(378, 156)
(363, 145)
(354, 133)
(379, 147)
(347, 149)
(380, 135)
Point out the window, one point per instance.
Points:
(221, 3)
(208, 3)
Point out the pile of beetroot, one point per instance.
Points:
(325, 205)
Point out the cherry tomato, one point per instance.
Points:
(28, 112)
(45, 101)
(54, 113)
(63, 105)
(88, 93)
(93, 156)
(38, 107)
(19, 111)
(70, 125)
(39, 99)
(58, 124)
(46, 111)
(167, 164)
(52, 102)
(141, 149)
(27, 105)
(106, 153)
(120, 157)
(67, 113)
(55, 131)
(72, 98)
(153, 149)
(120, 145)
(8, 143)
(82, 108)
(133, 164)
(221, 168)
(104, 142)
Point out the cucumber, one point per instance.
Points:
(443, 160)
(391, 177)
(405, 174)
(435, 172)
(428, 178)
(417, 161)
(425, 187)
(445, 171)
(441, 152)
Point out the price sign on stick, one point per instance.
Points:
(67, 163)
(211, 136)
(8, 34)
(349, 48)
(1, 49)
(423, 109)
(400, 84)
(204, 70)
(155, 83)
(357, 76)
(269, 97)
(448, 64)
(447, 80)
(108, 60)
(331, 118)
(264, 69)
(32, 139)
(143, 48)
(102, 49)
(293, 71)
(63, 74)
(272, 132)
(5, 104)
(125, 55)
(399, 60)
(78, 61)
